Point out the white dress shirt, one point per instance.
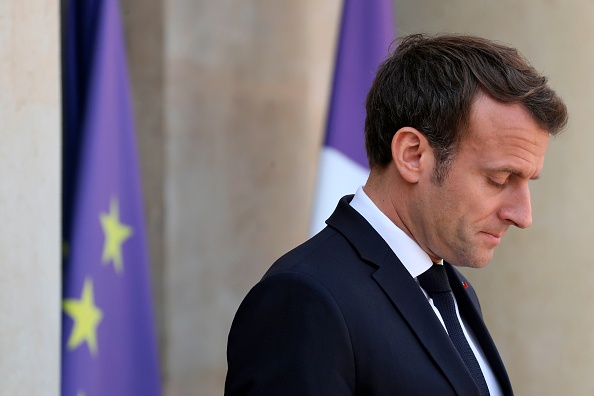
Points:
(416, 261)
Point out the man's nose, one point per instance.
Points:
(518, 209)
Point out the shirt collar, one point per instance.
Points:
(415, 260)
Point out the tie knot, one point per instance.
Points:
(435, 280)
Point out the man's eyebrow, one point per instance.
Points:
(513, 172)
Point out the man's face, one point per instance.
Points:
(486, 189)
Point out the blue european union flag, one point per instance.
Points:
(109, 344)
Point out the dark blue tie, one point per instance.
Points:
(436, 284)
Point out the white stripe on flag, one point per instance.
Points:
(338, 176)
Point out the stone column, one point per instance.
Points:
(30, 159)
(246, 87)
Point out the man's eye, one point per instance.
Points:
(497, 183)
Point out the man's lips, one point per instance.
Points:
(495, 234)
(493, 237)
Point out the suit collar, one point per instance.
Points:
(411, 255)
(358, 232)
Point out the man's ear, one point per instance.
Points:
(411, 154)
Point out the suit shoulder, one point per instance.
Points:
(286, 322)
(324, 249)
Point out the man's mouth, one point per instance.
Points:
(492, 237)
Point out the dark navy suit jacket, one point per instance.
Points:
(340, 315)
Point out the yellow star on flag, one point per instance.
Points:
(86, 318)
(116, 234)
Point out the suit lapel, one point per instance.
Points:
(405, 295)
(410, 301)
(471, 313)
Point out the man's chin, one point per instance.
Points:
(475, 260)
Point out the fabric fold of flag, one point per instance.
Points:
(108, 337)
(367, 29)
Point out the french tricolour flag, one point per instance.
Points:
(367, 29)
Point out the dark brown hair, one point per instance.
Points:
(429, 83)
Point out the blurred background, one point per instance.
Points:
(230, 102)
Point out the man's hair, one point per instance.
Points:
(429, 83)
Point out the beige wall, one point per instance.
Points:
(29, 198)
(230, 101)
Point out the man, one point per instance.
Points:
(456, 128)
